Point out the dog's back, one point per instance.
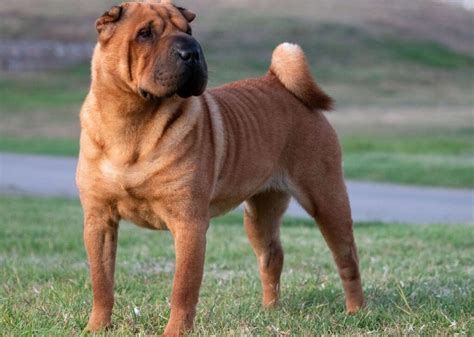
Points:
(290, 67)
(276, 123)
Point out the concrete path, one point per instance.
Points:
(54, 176)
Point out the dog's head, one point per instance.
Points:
(149, 47)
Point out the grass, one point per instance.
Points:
(417, 279)
(429, 53)
(36, 91)
(41, 146)
(411, 159)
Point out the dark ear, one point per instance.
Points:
(190, 16)
(105, 25)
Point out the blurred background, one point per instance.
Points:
(400, 71)
(402, 74)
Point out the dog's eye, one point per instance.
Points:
(145, 34)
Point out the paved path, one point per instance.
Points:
(54, 176)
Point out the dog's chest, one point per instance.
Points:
(141, 213)
(139, 193)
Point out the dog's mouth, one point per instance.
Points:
(150, 97)
(187, 88)
(191, 85)
(146, 95)
(194, 82)
(185, 81)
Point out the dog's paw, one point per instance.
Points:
(97, 326)
(177, 328)
(353, 307)
(270, 304)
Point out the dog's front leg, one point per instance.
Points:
(100, 239)
(190, 246)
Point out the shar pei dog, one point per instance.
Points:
(161, 151)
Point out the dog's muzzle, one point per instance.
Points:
(190, 69)
(194, 78)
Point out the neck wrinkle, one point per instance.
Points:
(130, 126)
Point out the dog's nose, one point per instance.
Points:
(188, 53)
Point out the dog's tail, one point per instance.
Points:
(291, 68)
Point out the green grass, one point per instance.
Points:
(32, 92)
(428, 53)
(40, 146)
(417, 279)
(411, 159)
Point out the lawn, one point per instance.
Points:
(411, 158)
(417, 279)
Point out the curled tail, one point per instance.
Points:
(291, 68)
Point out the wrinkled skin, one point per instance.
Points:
(150, 35)
(160, 151)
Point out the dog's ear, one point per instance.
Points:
(105, 25)
(188, 15)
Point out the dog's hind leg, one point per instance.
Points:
(262, 217)
(325, 198)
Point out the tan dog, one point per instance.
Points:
(155, 155)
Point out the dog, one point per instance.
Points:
(159, 150)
